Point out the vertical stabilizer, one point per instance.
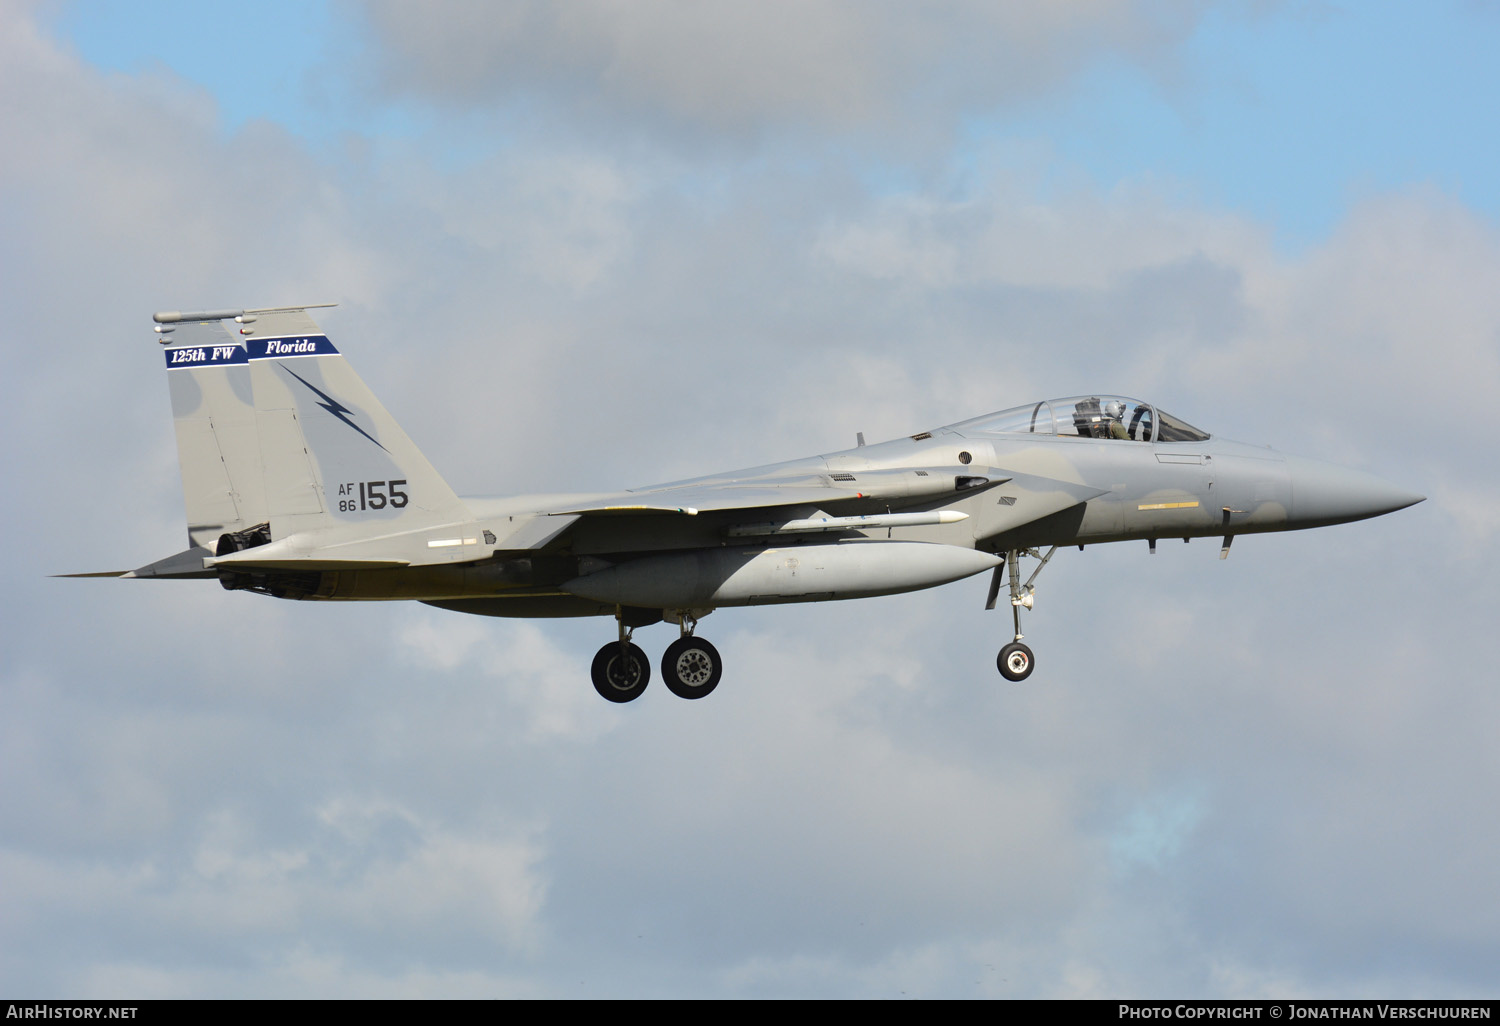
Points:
(274, 427)
(213, 411)
(331, 454)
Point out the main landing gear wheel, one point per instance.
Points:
(1016, 661)
(691, 667)
(621, 672)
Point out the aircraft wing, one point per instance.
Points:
(748, 505)
(830, 491)
(692, 501)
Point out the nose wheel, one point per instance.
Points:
(1015, 661)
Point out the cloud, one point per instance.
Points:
(1155, 831)
(536, 675)
(727, 67)
(403, 891)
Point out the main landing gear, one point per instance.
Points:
(620, 669)
(1016, 660)
(691, 667)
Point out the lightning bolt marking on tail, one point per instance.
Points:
(333, 406)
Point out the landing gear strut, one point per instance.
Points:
(621, 671)
(1016, 660)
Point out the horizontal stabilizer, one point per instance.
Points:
(185, 565)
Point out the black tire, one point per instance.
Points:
(621, 679)
(1015, 661)
(691, 668)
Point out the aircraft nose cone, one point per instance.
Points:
(1325, 493)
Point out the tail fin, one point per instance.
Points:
(286, 412)
(213, 410)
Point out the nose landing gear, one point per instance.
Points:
(1016, 660)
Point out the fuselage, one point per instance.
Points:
(1158, 478)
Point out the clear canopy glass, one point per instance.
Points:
(1088, 416)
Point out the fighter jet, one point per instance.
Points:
(299, 485)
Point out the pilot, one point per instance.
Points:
(1114, 419)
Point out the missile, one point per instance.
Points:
(870, 522)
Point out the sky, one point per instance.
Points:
(600, 245)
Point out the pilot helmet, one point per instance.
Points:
(1115, 409)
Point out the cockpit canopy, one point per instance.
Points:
(1088, 416)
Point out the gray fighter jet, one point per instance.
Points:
(298, 484)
